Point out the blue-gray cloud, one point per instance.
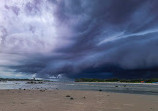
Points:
(81, 38)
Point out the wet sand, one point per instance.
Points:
(70, 100)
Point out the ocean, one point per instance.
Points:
(133, 88)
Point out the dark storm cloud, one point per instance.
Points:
(106, 38)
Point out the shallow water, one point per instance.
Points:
(133, 88)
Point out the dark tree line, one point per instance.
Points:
(117, 80)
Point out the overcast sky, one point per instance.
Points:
(78, 38)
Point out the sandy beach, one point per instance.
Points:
(70, 100)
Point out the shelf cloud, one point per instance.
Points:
(79, 38)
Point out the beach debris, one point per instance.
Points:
(116, 86)
(40, 82)
(31, 82)
(24, 89)
(100, 90)
(68, 96)
(42, 90)
(71, 98)
(35, 82)
(84, 97)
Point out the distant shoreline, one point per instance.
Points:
(152, 80)
(91, 80)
